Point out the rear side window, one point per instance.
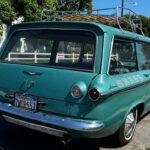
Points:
(143, 50)
(123, 57)
(57, 48)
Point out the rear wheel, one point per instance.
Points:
(125, 133)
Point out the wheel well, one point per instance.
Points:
(140, 109)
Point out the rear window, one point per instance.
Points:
(57, 48)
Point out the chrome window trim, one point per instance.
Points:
(62, 29)
(111, 48)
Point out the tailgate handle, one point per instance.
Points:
(9, 96)
(32, 73)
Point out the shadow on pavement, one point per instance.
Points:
(14, 137)
(18, 138)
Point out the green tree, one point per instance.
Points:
(30, 9)
(146, 25)
(78, 5)
(1, 30)
(144, 20)
(7, 13)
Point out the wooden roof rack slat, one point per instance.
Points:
(132, 21)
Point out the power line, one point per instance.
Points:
(133, 2)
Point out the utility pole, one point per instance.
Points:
(122, 8)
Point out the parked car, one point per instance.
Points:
(75, 79)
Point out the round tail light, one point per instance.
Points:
(94, 94)
(76, 92)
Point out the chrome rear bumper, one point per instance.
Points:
(55, 125)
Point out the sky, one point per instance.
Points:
(139, 6)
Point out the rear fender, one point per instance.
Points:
(133, 105)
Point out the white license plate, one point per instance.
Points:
(26, 102)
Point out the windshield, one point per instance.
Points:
(56, 48)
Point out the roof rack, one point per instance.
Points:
(130, 21)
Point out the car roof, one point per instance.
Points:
(105, 28)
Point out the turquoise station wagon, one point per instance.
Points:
(75, 79)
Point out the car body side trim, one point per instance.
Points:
(124, 89)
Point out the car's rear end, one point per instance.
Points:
(45, 70)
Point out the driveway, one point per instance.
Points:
(18, 138)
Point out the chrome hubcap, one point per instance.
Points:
(130, 124)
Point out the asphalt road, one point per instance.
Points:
(18, 138)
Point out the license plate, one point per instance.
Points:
(26, 102)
